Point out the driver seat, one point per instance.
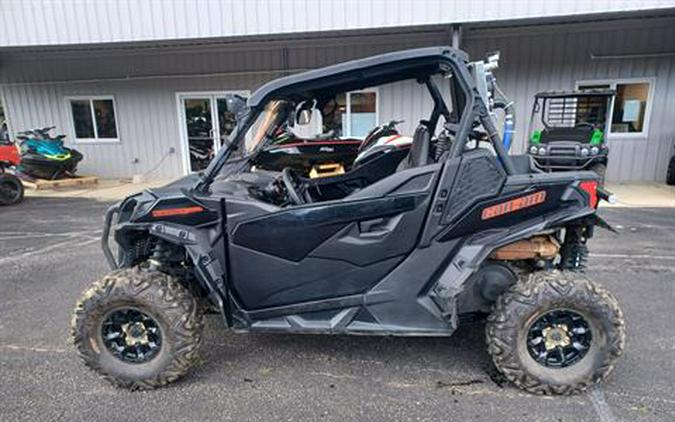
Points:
(419, 150)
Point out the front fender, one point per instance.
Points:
(105, 236)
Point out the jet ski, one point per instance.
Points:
(45, 157)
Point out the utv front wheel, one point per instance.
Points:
(139, 329)
(555, 333)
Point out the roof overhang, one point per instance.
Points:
(232, 41)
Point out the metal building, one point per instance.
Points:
(124, 79)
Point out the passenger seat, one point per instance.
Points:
(419, 150)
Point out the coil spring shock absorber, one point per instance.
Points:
(160, 254)
(574, 252)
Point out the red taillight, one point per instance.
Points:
(591, 188)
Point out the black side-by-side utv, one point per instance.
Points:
(414, 241)
(568, 130)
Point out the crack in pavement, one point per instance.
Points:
(16, 347)
(602, 409)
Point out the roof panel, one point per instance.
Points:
(108, 21)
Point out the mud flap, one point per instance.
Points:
(451, 282)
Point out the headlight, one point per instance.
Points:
(594, 150)
(542, 151)
(584, 152)
(533, 149)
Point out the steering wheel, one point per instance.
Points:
(294, 186)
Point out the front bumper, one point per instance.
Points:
(567, 155)
(105, 237)
(565, 162)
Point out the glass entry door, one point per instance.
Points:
(206, 124)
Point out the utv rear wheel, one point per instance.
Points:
(139, 329)
(555, 333)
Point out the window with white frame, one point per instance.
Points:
(93, 118)
(352, 114)
(631, 108)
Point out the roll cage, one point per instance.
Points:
(470, 109)
(559, 108)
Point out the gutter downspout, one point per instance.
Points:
(456, 36)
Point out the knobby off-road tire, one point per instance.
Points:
(11, 189)
(526, 301)
(160, 297)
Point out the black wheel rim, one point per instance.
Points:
(131, 336)
(559, 338)
(10, 191)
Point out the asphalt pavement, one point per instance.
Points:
(49, 253)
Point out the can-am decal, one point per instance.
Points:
(513, 205)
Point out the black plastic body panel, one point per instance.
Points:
(472, 219)
(479, 177)
(311, 225)
(263, 281)
(330, 249)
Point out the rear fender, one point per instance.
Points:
(477, 249)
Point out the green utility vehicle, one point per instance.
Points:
(568, 130)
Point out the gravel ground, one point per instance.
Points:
(49, 253)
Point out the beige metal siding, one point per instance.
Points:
(146, 107)
(533, 59)
(56, 22)
(146, 113)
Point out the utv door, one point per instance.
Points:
(331, 249)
